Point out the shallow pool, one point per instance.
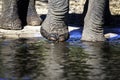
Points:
(38, 59)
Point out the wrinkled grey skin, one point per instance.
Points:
(10, 17)
(94, 20)
(55, 27)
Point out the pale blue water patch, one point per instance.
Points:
(115, 31)
(75, 35)
(114, 38)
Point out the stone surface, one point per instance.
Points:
(27, 32)
(115, 7)
(41, 7)
(34, 31)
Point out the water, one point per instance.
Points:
(38, 59)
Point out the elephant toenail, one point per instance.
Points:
(61, 38)
(52, 37)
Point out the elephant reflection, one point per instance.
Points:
(21, 61)
(102, 59)
(24, 59)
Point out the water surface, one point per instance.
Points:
(38, 59)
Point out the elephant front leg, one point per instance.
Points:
(54, 27)
(32, 17)
(94, 20)
(9, 15)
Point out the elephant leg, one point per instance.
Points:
(54, 27)
(9, 15)
(94, 20)
(32, 16)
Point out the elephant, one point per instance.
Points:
(94, 21)
(16, 13)
(55, 27)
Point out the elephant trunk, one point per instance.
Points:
(55, 25)
(94, 20)
(58, 9)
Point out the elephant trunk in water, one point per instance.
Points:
(54, 27)
(94, 20)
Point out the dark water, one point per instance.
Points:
(37, 59)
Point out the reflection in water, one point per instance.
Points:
(54, 61)
(31, 59)
(21, 60)
(95, 52)
(75, 67)
(104, 60)
(112, 62)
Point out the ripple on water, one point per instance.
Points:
(38, 59)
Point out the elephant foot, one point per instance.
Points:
(56, 32)
(92, 37)
(10, 24)
(33, 20)
(54, 36)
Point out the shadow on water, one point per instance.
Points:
(37, 59)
